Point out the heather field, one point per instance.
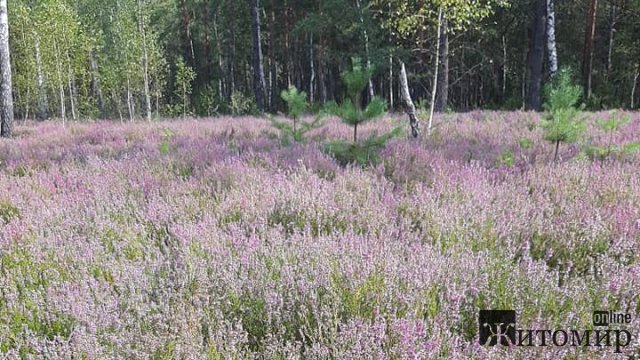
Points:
(209, 239)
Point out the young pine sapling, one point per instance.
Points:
(296, 105)
(561, 123)
(352, 113)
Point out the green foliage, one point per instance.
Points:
(506, 158)
(165, 144)
(8, 212)
(296, 104)
(356, 79)
(361, 153)
(351, 113)
(207, 102)
(613, 123)
(296, 131)
(525, 143)
(561, 123)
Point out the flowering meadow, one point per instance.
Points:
(210, 239)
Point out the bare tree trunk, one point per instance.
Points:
(613, 19)
(406, 97)
(504, 67)
(273, 71)
(536, 56)
(312, 78)
(63, 110)
(442, 95)
(321, 75)
(116, 98)
(587, 55)
(6, 113)
(391, 82)
(70, 81)
(435, 72)
(366, 48)
(145, 61)
(635, 83)
(258, 69)
(222, 93)
(523, 82)
(552, 53)
(96, 89)
(130, 100)
(43, 101)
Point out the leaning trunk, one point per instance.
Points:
(406, 98)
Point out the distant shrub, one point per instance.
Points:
(561, 123)
(610, 126)
(165, 143)
(184, 82)
(207, 102)
(241, 104)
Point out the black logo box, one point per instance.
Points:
(506, 319)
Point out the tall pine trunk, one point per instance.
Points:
(587, 54)
(613, 19)
(536, 56)
(258, 69)
(6, 113)
(312, 78)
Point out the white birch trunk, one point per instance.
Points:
(406, 97)
(6, 93)
(552, 52)
(435, 73)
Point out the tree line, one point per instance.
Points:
(128, 59)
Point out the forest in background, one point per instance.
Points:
(127, 59)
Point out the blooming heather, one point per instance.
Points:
(207, 239)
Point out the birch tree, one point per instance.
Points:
(6, 113)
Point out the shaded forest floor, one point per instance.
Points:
(209, 239)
